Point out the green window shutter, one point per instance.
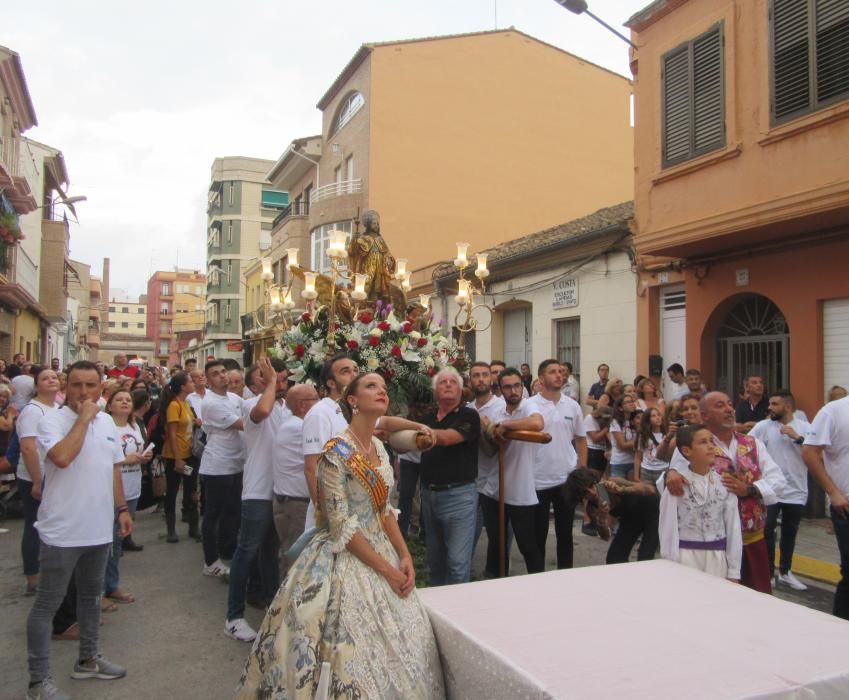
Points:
(677, 123)
(791, 57)
(708, 115)
(832, 49)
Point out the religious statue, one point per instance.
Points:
(368, 254)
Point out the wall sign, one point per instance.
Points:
(565, 293)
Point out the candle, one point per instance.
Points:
(337, 247)
(267, 273)
(462, 292)
(424, 300)
(292, 254)
(482, 270)
(288, 304)
(274, 301)
(359, 293)
(400, 268)
(461, 259)
(405, 282)
(309, 292)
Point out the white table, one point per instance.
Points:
(651, 629)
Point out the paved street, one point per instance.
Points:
(171, 639)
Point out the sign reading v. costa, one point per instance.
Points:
(565, 293)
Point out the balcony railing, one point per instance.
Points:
(300, 208)
(26, 273)
(335, 189)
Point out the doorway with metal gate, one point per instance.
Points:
(753, 340)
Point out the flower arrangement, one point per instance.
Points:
(406, 352)
(10, 230)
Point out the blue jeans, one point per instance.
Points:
(841, 593)
(450, 517)
(112, 578)
(621, 470)
(257, 538)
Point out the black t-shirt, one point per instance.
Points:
(457, 464)
(747, 414)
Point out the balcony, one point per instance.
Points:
(336, 189)
(166, 292)
(18, 278)
(299, 208)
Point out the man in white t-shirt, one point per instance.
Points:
(678, 380)
(262, 417)
(324, 421)
(195, 399)
(488, 406)
(291, 494)
(826, 454)
(83, 490)
(783, 434)
(520, 496)
(564, 421)
(221, 468)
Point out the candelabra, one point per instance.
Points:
(465, 320)
(279, 296)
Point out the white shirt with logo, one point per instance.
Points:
(787, 454)
(564, 421)
(259, 442)
(830, 430)
(288, 458)
(488, 466)
(27, 426)
(322, 422)
(224, 453)
(78, 503)
(130, 439)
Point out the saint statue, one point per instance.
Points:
(368, 254)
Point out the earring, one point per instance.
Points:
(355, 410)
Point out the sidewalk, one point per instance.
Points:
(816, 554)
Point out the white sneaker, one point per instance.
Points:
(790, 580)
(217, 568)
(239, 629)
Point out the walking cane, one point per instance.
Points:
(522, 436)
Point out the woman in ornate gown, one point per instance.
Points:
(350, 597)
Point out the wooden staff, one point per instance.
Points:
(522, 436)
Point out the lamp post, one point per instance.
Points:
(579, 7)
(464, 320)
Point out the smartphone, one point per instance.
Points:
(603, 495)
(149, 449)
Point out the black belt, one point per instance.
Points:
(282, 499)
(445, 487)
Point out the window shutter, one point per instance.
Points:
(832, 56)
(676, 106)
(708, 127)
(791, 70)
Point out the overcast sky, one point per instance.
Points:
(141, 97)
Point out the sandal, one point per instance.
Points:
(121, 597)
(107, 606)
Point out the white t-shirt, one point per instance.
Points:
(24, 386)
(488, 466)
(224, 453)
(196, 401)
(571, 389)
(322, 422)
(519, 459)
(130, 439)
(78, 503)
(27, 426)
(564, 421)
(787, 454)
(618, 456)
(830, 430)
(649, 459)
(259, 442)
(591, 424)
(288, 456)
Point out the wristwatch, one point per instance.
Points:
(752, 491)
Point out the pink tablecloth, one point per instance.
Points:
(641, 630)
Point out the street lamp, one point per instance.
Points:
(579, 7)
(68, 202)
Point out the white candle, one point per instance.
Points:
(424, 300)
(461, 260)
(400, 267)
(274, 302)
(292, 254)
(267, 274)
(462, 292)
(482, 270)
(288, 304)
(309, 286)
(359, 293)
(337, 247)
(405, 283)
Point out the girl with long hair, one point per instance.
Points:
(623, 437)
(648, 396)
(653, 433)
(175, 415)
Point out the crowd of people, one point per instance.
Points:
(290, 488)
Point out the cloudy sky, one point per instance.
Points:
(141, 97)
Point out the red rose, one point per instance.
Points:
(406, 327)
(305, 316)
(366, 317)
(396, 351)
(422, 342)
(383, 325)
(374, 341)
(300, 350)
(431, 371)
(352, 345)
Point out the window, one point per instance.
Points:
(227, 312)
(810, 55)
(125, 309)
(349, 171)
(140, 310)
(163, 347)
(199, 290)
(124, 324)
(139, 325)
(166, 290)
(112, 324)
(230, 191)
(569, 343)
(352, 104)
(319, 242)
(112, 309)
(693, 113)
(229, 272)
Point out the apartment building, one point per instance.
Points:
(79, 307)
(128, 317)
(176, 301)
(479, 138)
(241, 209)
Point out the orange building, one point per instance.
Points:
(742, 191)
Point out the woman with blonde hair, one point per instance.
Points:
(613, 390)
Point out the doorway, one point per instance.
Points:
(517, 336)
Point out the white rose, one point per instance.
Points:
(415, 335)
(376, 332)
(373, 363)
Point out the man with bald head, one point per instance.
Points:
(747, 471)
(291, 493)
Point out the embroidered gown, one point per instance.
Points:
(332, 607)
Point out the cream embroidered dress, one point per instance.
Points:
(334, 608)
